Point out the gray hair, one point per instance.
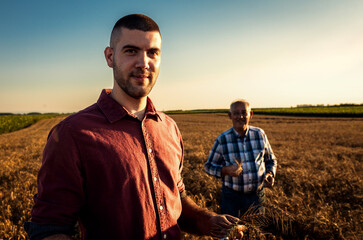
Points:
(240, 101)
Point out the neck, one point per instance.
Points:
(241, 131)
(132, 105)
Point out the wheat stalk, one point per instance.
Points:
(251, 219)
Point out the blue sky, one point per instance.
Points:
(273, 53)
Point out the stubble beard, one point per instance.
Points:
(134, 91)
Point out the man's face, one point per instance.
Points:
(240, 115)
(136, 61)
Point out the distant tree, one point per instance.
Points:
(34, 113)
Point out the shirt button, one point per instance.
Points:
(249, 180)
(164, 236)
(150, 150)
(155, 179)
(161, 208)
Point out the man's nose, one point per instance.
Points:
(142, 60)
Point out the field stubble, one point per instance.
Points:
(318, 191)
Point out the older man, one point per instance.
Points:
(115, 167)
(243, 158)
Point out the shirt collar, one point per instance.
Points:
(114, 111)
(239, 135)
(151, 110)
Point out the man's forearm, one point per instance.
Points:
(201, 221)
(224, 171)
(193, 217)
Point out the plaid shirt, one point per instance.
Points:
(254, 151)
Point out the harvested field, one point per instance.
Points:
(318, 191)
(20, 160)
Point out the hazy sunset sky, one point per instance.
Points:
(272, 53)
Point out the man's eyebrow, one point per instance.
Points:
(155, 49)
(130, 46)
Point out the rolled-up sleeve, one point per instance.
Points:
(180, 183)
(269, 157)
(215, 161)
(60, 192)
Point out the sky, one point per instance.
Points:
(272, 53)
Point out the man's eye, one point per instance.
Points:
(130, 51)
(154, 53)
(240, 113)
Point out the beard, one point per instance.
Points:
(134, 89)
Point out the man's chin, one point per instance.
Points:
(240, 127)
(242, 124)
(140, 94)
(137, 92)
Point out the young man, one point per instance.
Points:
(243, 158)
(115, 167)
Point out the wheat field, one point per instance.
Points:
(318, 190)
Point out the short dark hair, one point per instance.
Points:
(132, 22)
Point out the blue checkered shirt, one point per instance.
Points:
(254, 151)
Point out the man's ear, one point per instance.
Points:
(230, 115)
(251, 114)
(109, 56)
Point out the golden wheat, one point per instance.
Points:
(317, 193)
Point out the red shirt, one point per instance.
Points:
(119, 176)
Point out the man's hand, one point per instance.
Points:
(220, 226)
(233, 170)
(201, 221)
(269, 180)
